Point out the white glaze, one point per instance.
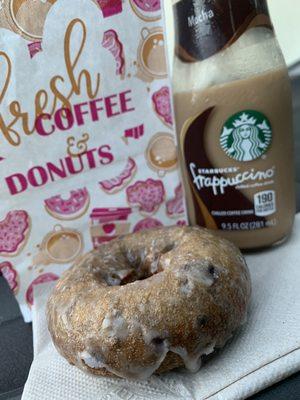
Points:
(187, 287)
(91, 361)
(154, 266)
(94, 362)
(192, 362)
(115, 326)
(142, 307)
(195, 274)
(166, 262)
(129, 371)
(144, 372)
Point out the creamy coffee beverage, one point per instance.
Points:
(234, 121)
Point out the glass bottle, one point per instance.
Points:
(233, 107)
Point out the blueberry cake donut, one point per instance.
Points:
(149, 302)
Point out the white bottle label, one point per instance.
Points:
(265, 203)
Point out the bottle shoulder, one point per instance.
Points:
(256, 52)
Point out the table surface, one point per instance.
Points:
(16, 337)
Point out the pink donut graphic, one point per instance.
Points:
(34, 48)
(10, 274)
(181, 223)
(110, 7)
(47, 277)
(147, 223)
(112, 43)
(71, 208)
(116, 184)
(147, 195)
(175, 206)
(147, 10)
(162, 105)
(14, 232)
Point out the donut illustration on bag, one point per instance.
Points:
(147, 10)
(175, 206)
(182, 223)
(73, 207)
(118, 183)
(110, 7)
(14, 233)
(161, 101)
(46, 277)
(34, 48)
(10, 274)
(146, 195)
(147, 223)
(112, 43)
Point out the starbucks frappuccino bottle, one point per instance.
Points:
(233, 107)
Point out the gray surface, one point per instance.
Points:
(12, 395)
(288, 389)
(16, 336)
(15, 345)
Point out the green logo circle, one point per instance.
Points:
(246, 135)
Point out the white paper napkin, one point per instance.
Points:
(266, 350)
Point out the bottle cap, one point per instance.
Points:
(205, 27)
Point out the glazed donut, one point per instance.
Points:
(149, 302)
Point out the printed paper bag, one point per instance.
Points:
(87, 144)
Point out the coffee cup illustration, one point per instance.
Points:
(161, 153)
(147, 10)
(151, 53)
(27, 17)
(60, 246)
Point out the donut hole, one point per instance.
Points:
(136, 269)
(139, 273)
(144, 265)
(142, 271)
(133, 264)
(135, 276)
(115, 277)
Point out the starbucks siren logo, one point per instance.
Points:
(246, 135)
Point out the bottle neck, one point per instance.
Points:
(206, 27)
